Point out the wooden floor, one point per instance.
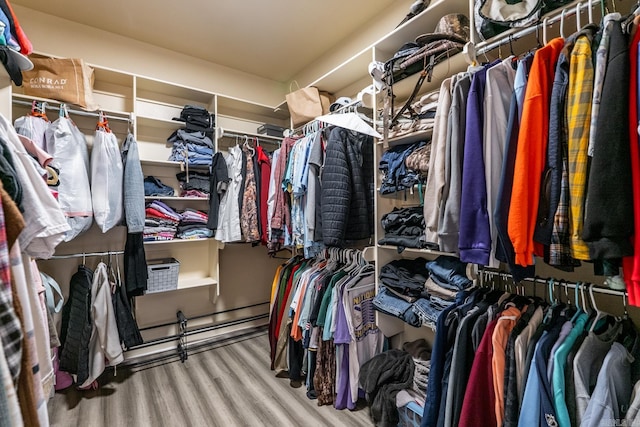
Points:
(228, 384)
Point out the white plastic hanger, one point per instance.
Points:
(578, 17)
(599, 314)
(545, 21)
(562, 23)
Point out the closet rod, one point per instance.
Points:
(76, 112)
(202, 316)
(568, 10)
(275, 140)
(83, 255)
(198, 331)
(558, 283)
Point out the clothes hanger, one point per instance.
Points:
(578, 17)
(599, 314)
(544, 30)
(562, 23)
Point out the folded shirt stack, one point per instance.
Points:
(194, 225)
(161, 222)
(404, 228)
(193, 148)
(424, 119)
(418, 292)
(194, 184)
(396, 175)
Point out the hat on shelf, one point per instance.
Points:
(454, 27)
(339, 103)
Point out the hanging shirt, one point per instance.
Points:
(506, 322)
(587, 364)
(579, 95)
(436, 179)
(474, 239)
(497, 99)
(504, 247)
(229, 217)
(449, 217)
(532, 145)
(558, 379)
(613, 389)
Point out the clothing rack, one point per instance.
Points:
(261, 139)
(95, 114)
(555, 282)
(557, 16)
(86, 254)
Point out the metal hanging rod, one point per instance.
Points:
(76, 112)
(557, 16)
(557, 282)
(85, 254)
(264, 138)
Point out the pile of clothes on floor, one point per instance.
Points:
(193, 225)
(395, 378)
(417, 290)
(161, 222)
(404, 228)
(193, 144)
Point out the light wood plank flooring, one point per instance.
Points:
(227, 384)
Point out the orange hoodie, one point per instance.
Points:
(531, 154)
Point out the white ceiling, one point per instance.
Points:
(269, 38)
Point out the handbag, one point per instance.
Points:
(63, 79)
(307, 103)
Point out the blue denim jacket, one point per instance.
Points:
(133, 183)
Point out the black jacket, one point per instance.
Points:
(608, 220)
(347, 187)
(77, 326)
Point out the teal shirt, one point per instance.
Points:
(559, 362)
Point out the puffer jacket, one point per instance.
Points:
(347, 187)
(76, 325)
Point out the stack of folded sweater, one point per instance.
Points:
(194, 184)
(417, 291)
(193, 225)
(193, 148)
(161, 222)
(404, 228)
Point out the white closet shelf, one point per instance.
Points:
(409, 138)
(179, 241)
(171, 163)
(275, 139)
(177, 198)
(155, 122)
(195, 282)
(53, 102)
(416, 251)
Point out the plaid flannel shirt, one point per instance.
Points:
(580, 95)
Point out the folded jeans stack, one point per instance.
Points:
(156, 188)
(191, 147)
(418, 292)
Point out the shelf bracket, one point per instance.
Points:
(182, 341)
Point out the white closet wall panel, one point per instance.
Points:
(69, 39)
